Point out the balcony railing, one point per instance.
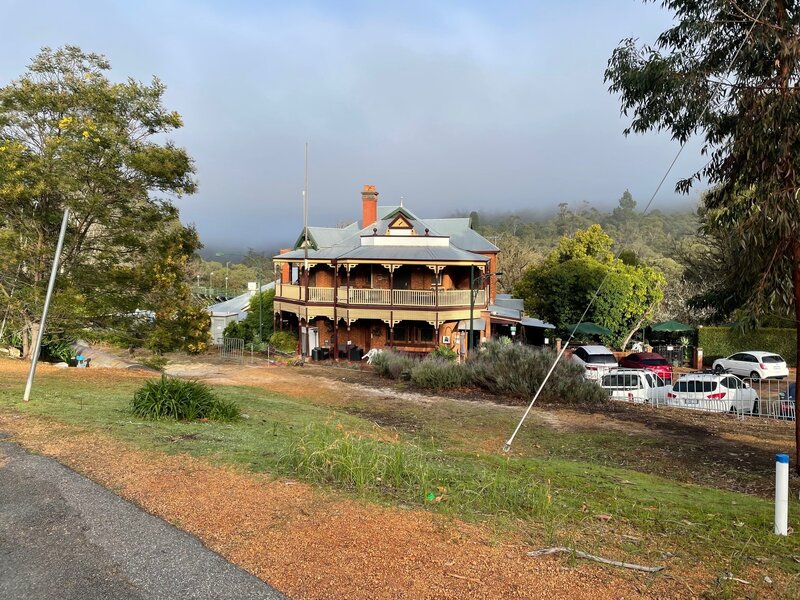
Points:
(382, 297)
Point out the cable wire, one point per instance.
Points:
(510, 441)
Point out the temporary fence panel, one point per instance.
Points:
(232, 349)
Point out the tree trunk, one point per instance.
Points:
(796, 282)
(29, 335)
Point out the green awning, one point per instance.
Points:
(671, 326)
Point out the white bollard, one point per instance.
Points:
(781, 494)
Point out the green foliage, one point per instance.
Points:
(71, 138)
(171, 398)
(156, 361)
(393, 365)
(560, 289)
(731, 78)
(186, 328)
(59, 348)
(518, 371)
(407, 472)
(285, 341)
(719, 342)
(499, 367)
(445, 353)
(248, 328)
(435, 373)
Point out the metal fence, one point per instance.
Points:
(715, 393)
(232, 349)
(676, 355)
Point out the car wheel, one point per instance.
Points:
(719, 370)
(755, 375)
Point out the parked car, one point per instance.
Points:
(753, 364)
(635, 385)
(714, 392)
(786, 404)
(650, 361)
(596, 361)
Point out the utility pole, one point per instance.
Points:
(305, 249)
(37, 348)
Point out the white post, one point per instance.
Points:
(781, 494)
(37, 347)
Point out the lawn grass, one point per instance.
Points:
(562, 491)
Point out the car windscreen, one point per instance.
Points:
(655, 362)
(601, 359)
(772, 358)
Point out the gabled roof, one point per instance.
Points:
(327, 243)
(237, 305)
(326, 237)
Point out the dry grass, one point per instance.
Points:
(312, 545)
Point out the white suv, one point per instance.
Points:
(713, 392)
(596, 361)
(635, 385)
(753, 364)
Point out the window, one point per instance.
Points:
(601, 359)
(739, 356)
(414, 334)
(772, 359)
(581, 353)
(731, 383)
(650, 380)
(749, 358)
(655, 362)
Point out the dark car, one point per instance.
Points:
(786, 404)
(650, 361)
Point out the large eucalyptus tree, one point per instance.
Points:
(70, 137)
(729, 72)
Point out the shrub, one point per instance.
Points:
(393, 365)
(439, 374)
(518, 371)
(445, 353)
(156, 361)
(170, 398)
(285, 341)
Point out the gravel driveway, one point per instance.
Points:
(63, 537)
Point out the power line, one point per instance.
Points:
(507, 445)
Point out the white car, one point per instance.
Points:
(714, 393)
(635, 385)
(596, 361)
(753, 364)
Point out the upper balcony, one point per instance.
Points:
(380, 297)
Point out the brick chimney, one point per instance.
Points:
(369, 206)
(286, 272)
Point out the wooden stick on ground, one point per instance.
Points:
(600, 559)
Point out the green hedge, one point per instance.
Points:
(719, 342)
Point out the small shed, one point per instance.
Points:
(232, 310)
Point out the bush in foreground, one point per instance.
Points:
(393, 365)
(504, 369)
(170, 398)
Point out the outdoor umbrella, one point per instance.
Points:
(589, 328)
(672, 326)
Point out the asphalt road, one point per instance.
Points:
(64, 537)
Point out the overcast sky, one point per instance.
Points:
(488, 106)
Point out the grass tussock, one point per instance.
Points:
(509, 370)
(170, 398)
(412, 474)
